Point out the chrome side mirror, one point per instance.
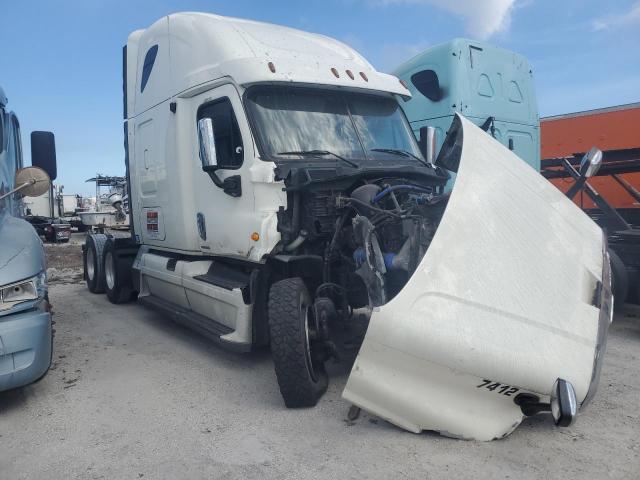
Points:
(430, 145)
(231, 185)
(591, 162)
(427, 143)
(207, 144)
(564, 405)
(30, 181)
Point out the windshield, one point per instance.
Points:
(290, 122)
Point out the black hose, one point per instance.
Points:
(295, 224)
(375, 209)
(334, 241)
(390, 189)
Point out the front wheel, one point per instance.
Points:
(295, 345)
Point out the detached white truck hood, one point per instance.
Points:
(509, 297)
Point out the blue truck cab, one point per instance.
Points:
(25, 317)
(491, 86)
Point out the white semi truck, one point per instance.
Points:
(278, 197)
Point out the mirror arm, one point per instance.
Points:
(211, 170)
(614, 218)
(576, 187)
(580, 180)
(11, 192)
(232, 185)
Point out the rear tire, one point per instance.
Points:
(94, 262)
(619, 279)
(301, 377)
(116, 285)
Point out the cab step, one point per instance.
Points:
(199, 323)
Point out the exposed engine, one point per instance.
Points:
(371, 236)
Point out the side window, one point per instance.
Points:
(5, 174)
(17, 142)
(427, 84)
(226, 133)
(1, 130)
(11, 160)
(149, 60)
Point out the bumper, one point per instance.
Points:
(25, 347)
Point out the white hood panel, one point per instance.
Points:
(504, 293)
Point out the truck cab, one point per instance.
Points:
(25, 317)
(278, 197)
(490, 86)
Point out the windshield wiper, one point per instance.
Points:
(318, 153)
(402, 153)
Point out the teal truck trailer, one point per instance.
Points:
(490, 86)
(493, 88)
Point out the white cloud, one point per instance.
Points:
(483, 18)
(632, 17)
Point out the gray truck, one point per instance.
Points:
(25, 313)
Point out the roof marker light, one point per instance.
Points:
(335, 72)
(272, 67)
(350, 73)
(364, 76)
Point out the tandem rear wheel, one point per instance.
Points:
(107, 269)
(117, 275)
(94, 262)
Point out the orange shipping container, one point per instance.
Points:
(614, 128)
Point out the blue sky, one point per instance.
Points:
(61, 59)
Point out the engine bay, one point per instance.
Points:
(371, 235)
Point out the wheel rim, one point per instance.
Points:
(307, 319)
(91, 272)
(109, 271)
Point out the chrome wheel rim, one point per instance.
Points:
(109, 270)
(91, 272)
(307, 319)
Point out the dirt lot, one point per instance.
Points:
(64, 260)
(132, 395)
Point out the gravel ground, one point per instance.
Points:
(64, 260)
(132, 395)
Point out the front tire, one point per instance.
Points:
(301, 374)
(93, 262)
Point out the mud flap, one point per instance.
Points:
(503, 302)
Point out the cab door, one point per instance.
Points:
(224, 215)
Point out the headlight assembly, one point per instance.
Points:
(21, 292)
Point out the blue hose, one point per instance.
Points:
(360, 257)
